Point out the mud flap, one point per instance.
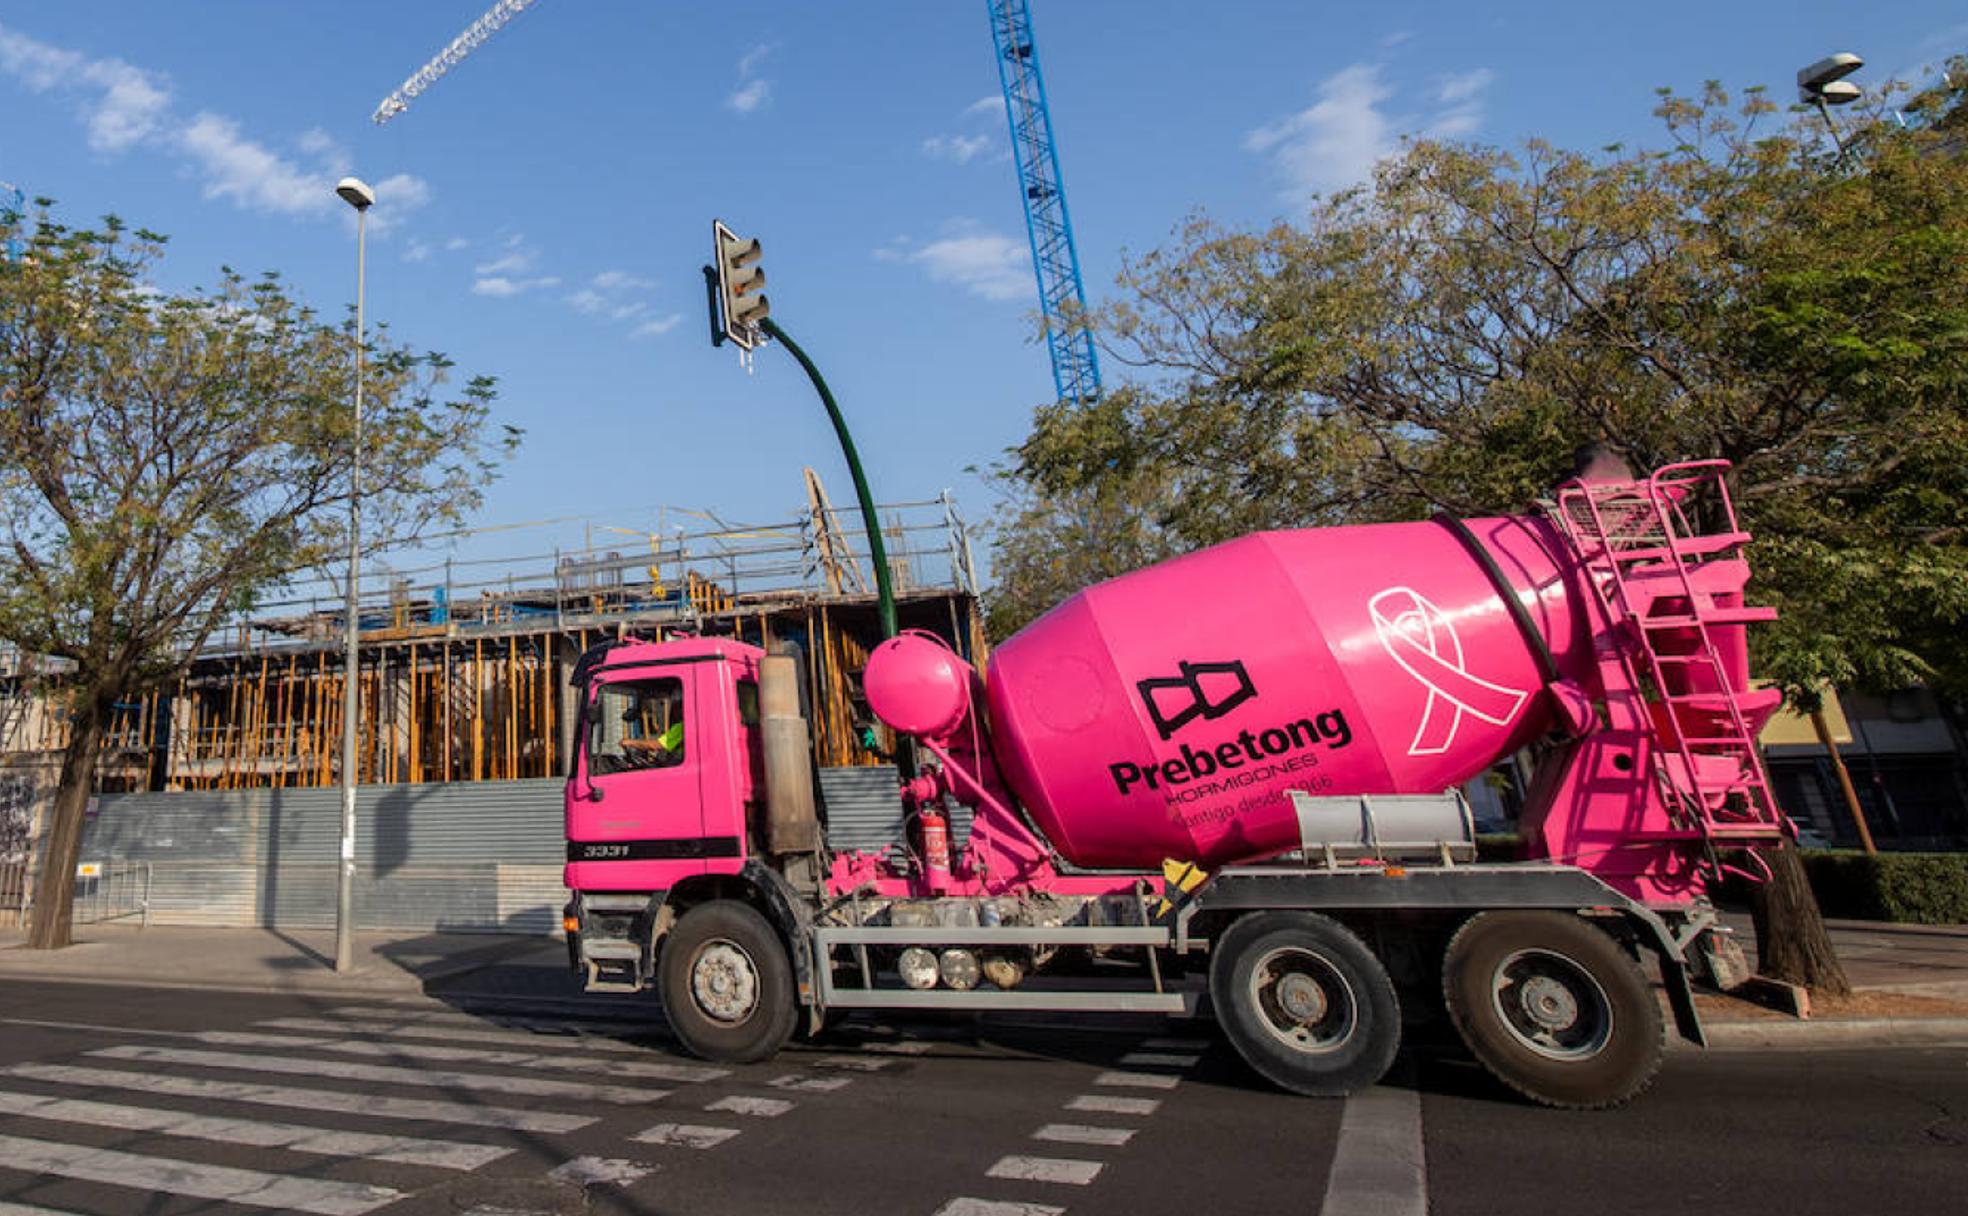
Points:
(1681, 999)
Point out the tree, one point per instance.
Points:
(1448, 337)
(166, 459)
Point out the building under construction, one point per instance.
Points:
(464, 666)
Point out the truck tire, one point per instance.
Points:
(1553, 1007)
(727, 984)
(1305, 1003)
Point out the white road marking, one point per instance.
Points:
(173, 1177)
(410, 1150)
(597, 1171)
(545, 1023)
(688, 1135)
(1378, 1167)
(1062, 1170)
(440, 1078)
(818, 1085)
(1176, 1044)
(1138, 1080)
(21, 1209)
(902, 1047)
(996, 1207)
(307, 1099)
(1102, 1104)
(1158, 1059)
(852, 1063)
(689, 1074)
(1082, 1133)
(757, 1108)
(452, 1034)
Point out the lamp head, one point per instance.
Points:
(356, 193)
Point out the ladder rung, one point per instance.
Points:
(1710, 616)
(1686, 546)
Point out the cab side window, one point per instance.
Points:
(636, 724)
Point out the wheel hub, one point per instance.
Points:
(1549, 1003)
(724, 982)
(1552, 1005)
(1301, 999)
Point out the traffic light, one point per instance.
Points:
(741, 286)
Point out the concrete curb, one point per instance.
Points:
(1829, 1035)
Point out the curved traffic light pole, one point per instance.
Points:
(877, 552)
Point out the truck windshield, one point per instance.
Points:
(636, 724)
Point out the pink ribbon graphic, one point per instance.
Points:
(1417, 635)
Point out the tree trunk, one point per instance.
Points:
(54, 892)
(1791, 942)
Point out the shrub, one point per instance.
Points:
(1908, 888)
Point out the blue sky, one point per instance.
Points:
(544, 209)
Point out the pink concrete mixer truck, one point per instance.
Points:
(1231, 778)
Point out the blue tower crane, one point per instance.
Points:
(1062, 295)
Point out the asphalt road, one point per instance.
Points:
(121, 1100)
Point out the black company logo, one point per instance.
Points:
(1203, 690)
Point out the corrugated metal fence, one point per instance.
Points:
(467, 856)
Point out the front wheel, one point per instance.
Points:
(1305, 1003)
(1553, 1007)
(727, 984)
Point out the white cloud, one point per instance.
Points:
(587, 301)
(456, 243)
(417, 251)
(658, 326)
(989, 107)
(754, 92)
(623, 312)
(987, 264)
(233, 166)
(502, 287)
(517, 257)
(621, 280)
(1335, 142)
(1396, 38)
(960, 148)
(751, 98)
(125, 107)
(122, 105)
(748, 63)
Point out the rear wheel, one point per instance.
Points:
(727, 984)
(1305, 1002)
(1553, 1007)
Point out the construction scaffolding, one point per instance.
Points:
(464, 665)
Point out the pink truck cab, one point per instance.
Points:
(1234, 773)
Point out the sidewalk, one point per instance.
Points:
(1911, 980)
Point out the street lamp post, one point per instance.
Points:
(1823, 84)
(358, 195)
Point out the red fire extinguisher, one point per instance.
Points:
(936, 849)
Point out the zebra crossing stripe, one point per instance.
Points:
(757, 1108)
(689, 1074)
(1158, 1059)
(223, 1183)
(409, 1150)
(419, 1109)
(1105, 1104)
(1081, 1133)
(599, 1171)
(21, 1209)
(687, 1135)
(341, 1069)
(1138, 1080)
(453, 1034)
(818, 1085)
(993, 1207)
(1046, 1169)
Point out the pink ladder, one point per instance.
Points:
(1665, 556)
